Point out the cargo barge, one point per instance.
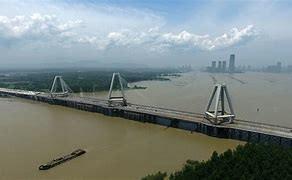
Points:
(63, 159)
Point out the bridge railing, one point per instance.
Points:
(151, 107)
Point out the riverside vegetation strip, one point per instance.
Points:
(80, 80)
(249, 161)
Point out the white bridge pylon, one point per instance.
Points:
(117, 100)
(59, 87)
(219, 114)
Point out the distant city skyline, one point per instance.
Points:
(160, 33)
(221, 66)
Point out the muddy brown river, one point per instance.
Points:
(32, 133)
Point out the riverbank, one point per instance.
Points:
(84, 80)
(250, 161)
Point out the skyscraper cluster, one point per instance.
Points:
(222, 66)
(274, 68)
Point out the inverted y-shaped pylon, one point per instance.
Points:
(117, 100)
(59, 87)
(219, 114)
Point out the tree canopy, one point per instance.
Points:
(249, 161)
(85, 80)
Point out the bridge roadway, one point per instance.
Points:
(165, 113)
(198, 117)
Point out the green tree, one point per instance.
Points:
(251, 161)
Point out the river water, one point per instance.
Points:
(32, 133)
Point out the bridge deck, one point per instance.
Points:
(269, 129)
(194, 117)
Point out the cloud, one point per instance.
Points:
(206, 42)
(155, 40)
(235, 36)
(36, 27)
(49, 29)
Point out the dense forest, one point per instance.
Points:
(251, 161)
(86, 80)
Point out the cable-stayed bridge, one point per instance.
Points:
(218, 120)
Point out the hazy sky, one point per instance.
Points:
(150, 32)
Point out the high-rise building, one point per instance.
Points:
(219, 66)
(274, 68)
(224, 66)
(232, 63)
(213, 67)
(213, 64)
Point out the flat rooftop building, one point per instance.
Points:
(232, 63)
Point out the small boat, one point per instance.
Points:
(63, 159)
